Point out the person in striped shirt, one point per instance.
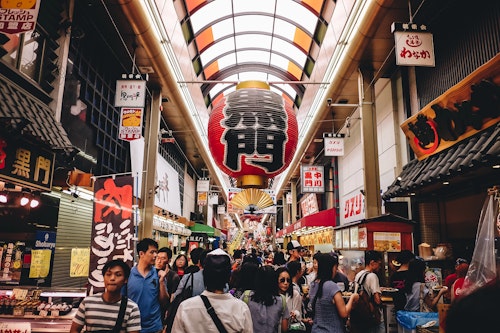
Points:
(99, 312)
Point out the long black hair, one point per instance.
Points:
(266, 286)
(416, 273)
(326, 262)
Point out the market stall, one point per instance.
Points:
(389, 234)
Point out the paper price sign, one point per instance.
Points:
(40, 263)
(79, 265)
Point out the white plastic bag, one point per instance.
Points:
(482, 268)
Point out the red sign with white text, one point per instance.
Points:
(112, 228)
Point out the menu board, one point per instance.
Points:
(338, 239)
(387, 241)
(345, 238)
(363, 237)
(354, 237)
(11, 261)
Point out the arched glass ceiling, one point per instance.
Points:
(266, 40)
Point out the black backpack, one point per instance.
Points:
(187, 292)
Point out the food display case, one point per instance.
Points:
(37, 310)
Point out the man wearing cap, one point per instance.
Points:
(233, 314)
(293, 248)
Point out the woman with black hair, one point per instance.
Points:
(326, 301)
(419, 298)
(267, 307)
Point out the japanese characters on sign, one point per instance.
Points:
(112, 228)
(354, 208)
(309, 204)
(130, 123)
(334, 144)
(26, 163)
(414, 45)
(462, 111)
(131, 93)
(312, 178)
(18, 16)
(252, 132)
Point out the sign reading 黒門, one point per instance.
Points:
(25, 163)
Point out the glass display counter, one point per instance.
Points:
(39, 310)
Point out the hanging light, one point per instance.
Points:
(34, 203)
(24, 201)
(3, 198)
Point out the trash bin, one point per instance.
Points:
(408, 321)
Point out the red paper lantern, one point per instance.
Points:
(252, 134)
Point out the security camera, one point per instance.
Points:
(329, 101)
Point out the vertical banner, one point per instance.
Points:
(112, 227)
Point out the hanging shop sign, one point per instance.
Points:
(112, 228)
(11, 261)
(27, 164)
(166, 225)
(131, 93)
(414, 45)
(253, 134)
(18, 16)
(203, 185)
(167, 194)
(465, 109)
(130, 123)
(309, 204)
(312, 178)
(334, 144)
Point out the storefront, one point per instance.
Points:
(169, 233)
(456, 141)
(313, 232)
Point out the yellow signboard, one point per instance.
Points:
(79, 265)
(40, 263)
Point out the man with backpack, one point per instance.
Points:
(191, 284)
(214, 310)
(370, 320)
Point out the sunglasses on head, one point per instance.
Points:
(282, 280)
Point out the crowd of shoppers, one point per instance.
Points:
(252, 292)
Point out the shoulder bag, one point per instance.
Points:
(212, 314)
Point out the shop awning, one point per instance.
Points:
(210, 231)
(18, 107)
(479, 151)
(324, 218)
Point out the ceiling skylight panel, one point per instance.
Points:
(253, 41)
(248, 76)
(253, 56)
(297, 13)
(285, 29)
(279, 61)
(253, 23)
(206, 14)
(264, 6)
(227, 61)
(215, 51)
(222, 28)
(290, 50)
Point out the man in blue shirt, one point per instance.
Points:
(146, 287)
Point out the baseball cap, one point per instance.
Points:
(293, 245)
(217, 260)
